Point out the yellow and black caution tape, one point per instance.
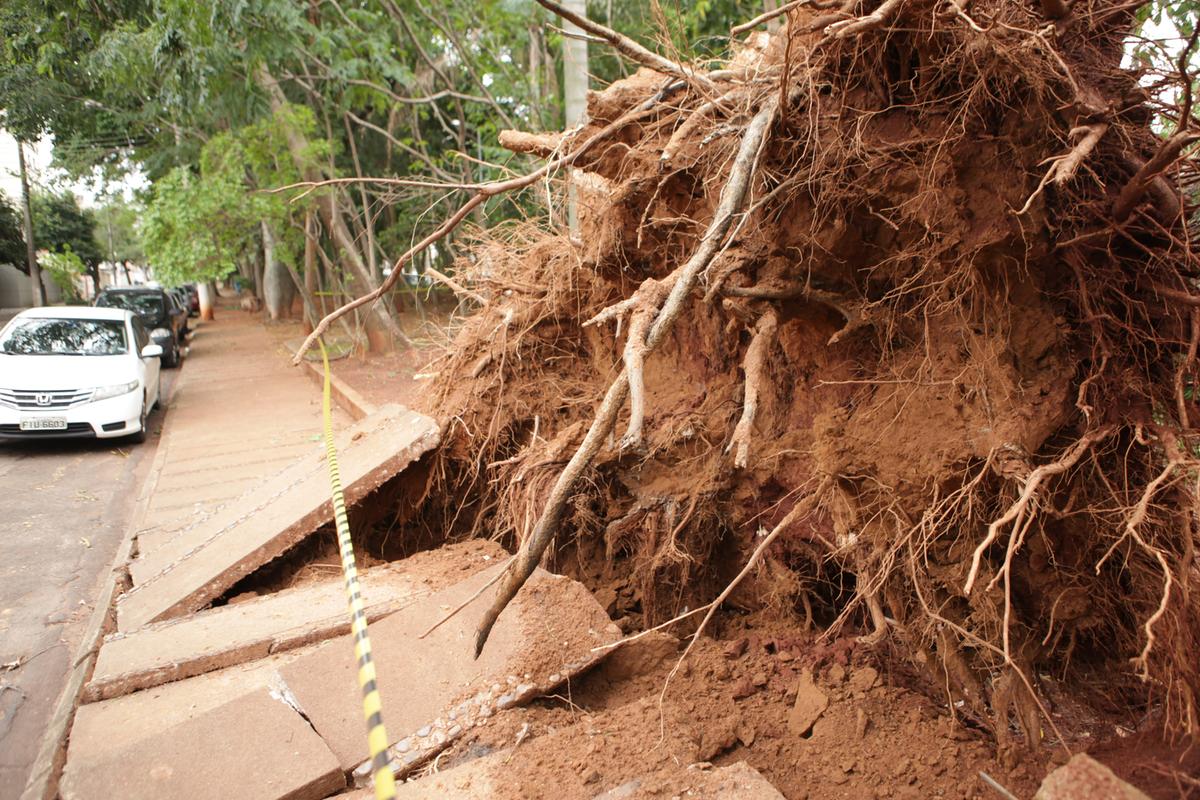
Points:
(377, 740)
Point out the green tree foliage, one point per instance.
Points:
(59, 225)
(12, 241)
(116, 231)
(197, 224)
(64, 267)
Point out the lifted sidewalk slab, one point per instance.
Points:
(200, 563)
(255, 747)
(220, 637)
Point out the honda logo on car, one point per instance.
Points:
(41, 399)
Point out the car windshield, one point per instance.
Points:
(144, 304)
(65, 337)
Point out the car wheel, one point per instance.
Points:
(171, 359)
(141, 435)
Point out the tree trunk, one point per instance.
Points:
(575, 86)
(382, 330)
(35, 274)
(278, 288)
(207, 293)
(311, 315)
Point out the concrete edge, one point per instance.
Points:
(343, 393)
(42, 783)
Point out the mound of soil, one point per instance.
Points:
(888, 324)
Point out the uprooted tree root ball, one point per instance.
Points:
(911, 278)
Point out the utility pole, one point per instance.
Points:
(35, 274)
(575, 86)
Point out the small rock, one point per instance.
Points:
(810, 704)
(743, 688)
(759, 679)
(861, 722)
(746, 733)
(737, 647)
(837, 674)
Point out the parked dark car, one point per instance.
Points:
(178, 296)
(157, 311)
(193, 299)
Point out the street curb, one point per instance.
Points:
(52, 754)
(346, 396)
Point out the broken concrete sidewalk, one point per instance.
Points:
(194, 568)
(221, 723)
(220, 637)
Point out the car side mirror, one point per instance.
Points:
(152, 351)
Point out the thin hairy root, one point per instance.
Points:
(801, 509)
(846, 28)
(767, 16)
(1020, 506)
(733, 196)
(757, 359)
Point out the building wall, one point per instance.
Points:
(15, 291)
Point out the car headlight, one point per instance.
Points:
(160, 333)
(105, 392)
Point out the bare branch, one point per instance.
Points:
(631, 49)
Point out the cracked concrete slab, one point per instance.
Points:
(220, 637)
(202, 562)
(433, 688)
(254, 747)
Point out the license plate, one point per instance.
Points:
(44, 424)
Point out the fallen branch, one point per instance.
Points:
(631, 49)
(733, 196)
(755, 367)
(767, 16)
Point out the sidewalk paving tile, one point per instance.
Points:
(253, 747)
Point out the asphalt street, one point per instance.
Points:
(64, 507)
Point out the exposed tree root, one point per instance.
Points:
(1005, 446)
(733, 195)
(755, 367)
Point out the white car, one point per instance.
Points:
(76, 371)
